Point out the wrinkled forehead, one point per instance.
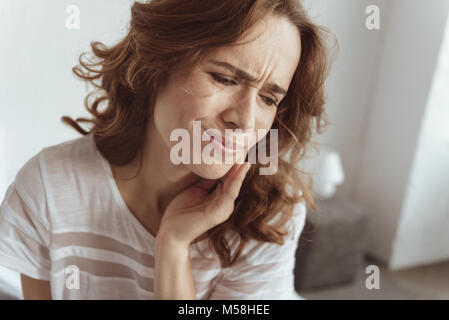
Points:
(270, 50)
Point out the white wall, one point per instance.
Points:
(352, 78)
(423, 233)
(406, 68)
(36, 83)
(389, 134)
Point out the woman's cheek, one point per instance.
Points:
(208, 107)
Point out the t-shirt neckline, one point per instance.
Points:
(116, 192)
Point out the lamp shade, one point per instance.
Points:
(326, 170)
(328, 174)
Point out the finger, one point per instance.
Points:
(222, 203)
(221, 193)
(220, 208)
(231, 173)
(233, 184)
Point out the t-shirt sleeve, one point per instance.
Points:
(24, 225)
(265, 271)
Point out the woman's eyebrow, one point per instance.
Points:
(246, 76)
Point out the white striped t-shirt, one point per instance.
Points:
(63, 219)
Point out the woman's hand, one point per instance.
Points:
(195, 210)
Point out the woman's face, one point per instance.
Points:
(219, 94)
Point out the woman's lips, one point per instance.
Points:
(227, 147)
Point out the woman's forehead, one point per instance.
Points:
(272, 52)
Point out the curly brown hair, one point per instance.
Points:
(165, 35)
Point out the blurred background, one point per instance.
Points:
(381, 230)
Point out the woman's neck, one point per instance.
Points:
(158, 181)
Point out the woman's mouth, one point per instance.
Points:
(225, 147)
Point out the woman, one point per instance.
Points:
(111, 216)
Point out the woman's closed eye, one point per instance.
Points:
(223, 80)
(229, 82)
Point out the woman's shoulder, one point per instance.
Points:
(70, 150)
(75, 157)
(56, 166)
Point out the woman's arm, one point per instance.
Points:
(189, 215)
(173, 278)
(34, 289)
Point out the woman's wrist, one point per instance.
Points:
(165, 240)
(173, 278)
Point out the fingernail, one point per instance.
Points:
(248, 166)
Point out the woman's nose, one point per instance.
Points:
(242, 113)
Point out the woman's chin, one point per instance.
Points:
(210, 171)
